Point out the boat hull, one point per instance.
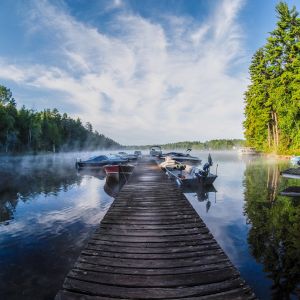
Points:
(118, 171)
(192, 181)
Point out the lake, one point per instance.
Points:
(48, 211)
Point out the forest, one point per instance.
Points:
(272, 111)
(217, 144)
(26, 130)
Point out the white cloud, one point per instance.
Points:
(165, 83)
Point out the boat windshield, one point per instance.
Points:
(99, 158)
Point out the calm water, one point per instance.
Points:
(48, 212)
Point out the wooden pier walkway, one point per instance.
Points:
(152, 244)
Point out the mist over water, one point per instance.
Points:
(48, 211)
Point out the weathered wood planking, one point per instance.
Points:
(151, 244)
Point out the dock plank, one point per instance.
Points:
(151, 244)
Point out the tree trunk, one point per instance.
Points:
(53, 147)
(269, 136)
(276, 129)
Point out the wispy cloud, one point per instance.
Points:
(148, 82)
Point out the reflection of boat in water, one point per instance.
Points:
(113, 185)
(291, 173)
(291, 191)
(202, 193)
(98, 173)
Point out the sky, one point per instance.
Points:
(141, 71)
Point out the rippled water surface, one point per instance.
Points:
(48, 211)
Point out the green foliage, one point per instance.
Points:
(221, 144)
(28, 130)
(274, 236)
(272, 109)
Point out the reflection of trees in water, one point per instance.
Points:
(17, 185)
(274, 238)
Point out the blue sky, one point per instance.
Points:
(141, 72)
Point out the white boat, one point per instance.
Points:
(247, 151)
(170, 163)
(183, 157)
(155, 151)
(191, 176)
(295, 160)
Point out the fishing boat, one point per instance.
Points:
(247, 151)
(118, 170)
(170, 163)
(129, 157)
(100, 161)
(183, 157)
(155, 151)
(190, 176)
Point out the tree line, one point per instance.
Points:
(217, 144)
(26, 130)
(272, 111)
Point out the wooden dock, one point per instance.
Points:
(152, 244)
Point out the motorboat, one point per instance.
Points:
(295, 160)
(118, 171)
(155, 151)
(170, 163)
(138, 153)
(125, 155)
(247, 151)
(100, 161)
(190, 176)
(183, 157)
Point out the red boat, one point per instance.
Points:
(117, 170)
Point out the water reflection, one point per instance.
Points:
(202, 193)
(47, 213)
(21, 185)
(274, 237)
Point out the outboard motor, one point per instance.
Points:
(206, 167)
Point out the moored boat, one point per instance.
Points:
(183, 157)
(247, 151)
(170, 163)
(100, 161)
(129, 157)
(190, 176)
(118, 170)
(155, 151)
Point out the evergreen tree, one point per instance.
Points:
(272, 99)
